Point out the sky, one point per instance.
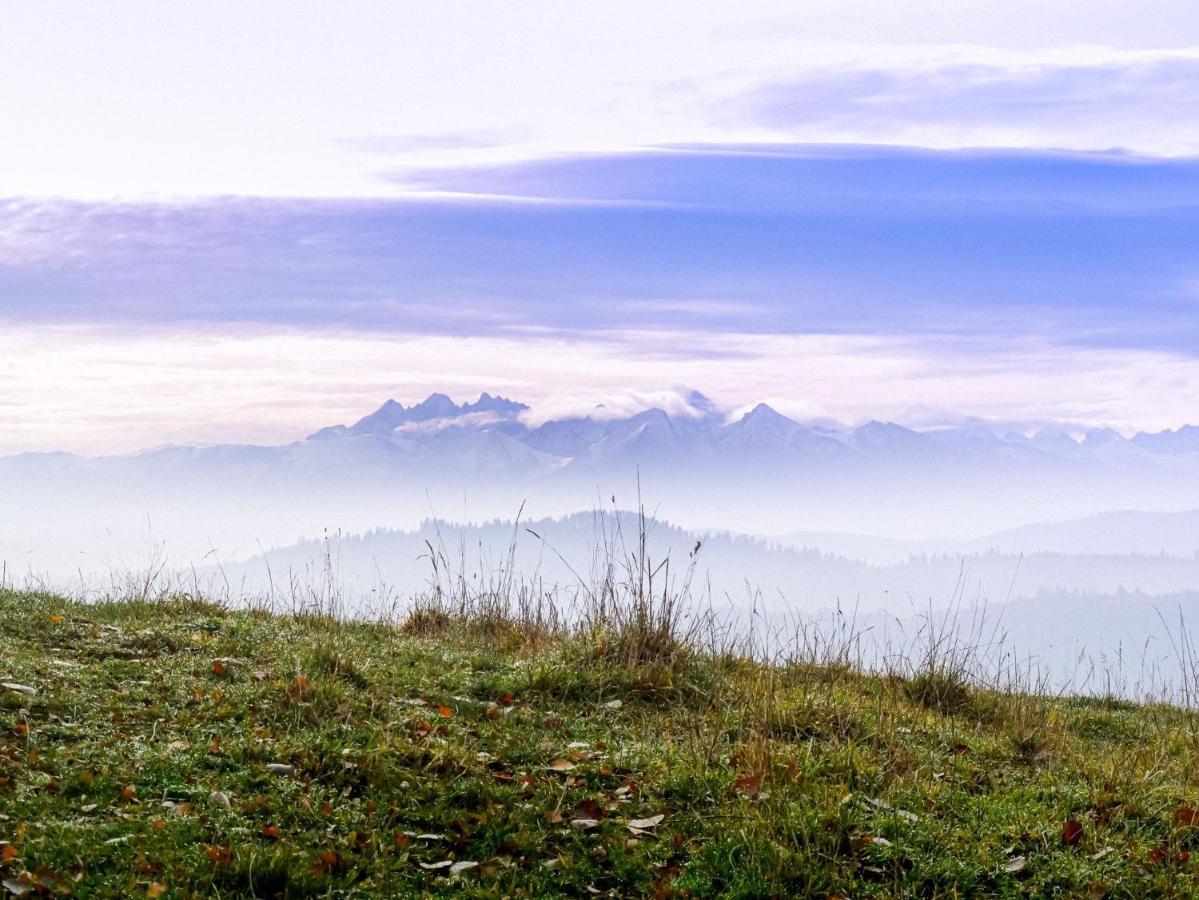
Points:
(242, 221)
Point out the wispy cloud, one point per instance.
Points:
(1090, 249)
(1147, 102)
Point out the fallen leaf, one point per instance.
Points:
(1160, 856)
(589, 809)
(642, 824)
(445, 712)
(271, 832)
(561, 765)
(1072, 833)
(1186, 817)
(219, 798)
(18, 887)
(18, 688)
(156, 889)
(329, 861)
(444, 864)
(280, 769)
(220, 856)
(461, 866)
(584, 823)
(1016, 864)
(613, 704)
(749, 784)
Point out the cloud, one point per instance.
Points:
(1149, 103)
(1091, 249)
(400, 144)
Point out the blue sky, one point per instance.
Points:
(992, 206)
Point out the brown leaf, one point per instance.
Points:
(1160, 856)
(1186, 817)
(271, 832)
(561, 765)
(329, 861)
(220, 856)
(589, 809)
(749, 784)
(445, 712)
(156, 889)
(1072, 833)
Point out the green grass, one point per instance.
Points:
(140, 767)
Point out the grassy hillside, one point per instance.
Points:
(174, 748)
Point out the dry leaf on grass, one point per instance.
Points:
(1015, 865)
(643, 824)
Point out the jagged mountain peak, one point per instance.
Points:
(392, 414)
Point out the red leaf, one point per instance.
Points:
(749, 784)
(1071, 833)
(1186, 817)
(589, 809)
(445, 712)
(329, 861)
(1160, 856)
(271, 832)
(220, 856)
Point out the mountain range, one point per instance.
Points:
(760, 472)
(761, 430)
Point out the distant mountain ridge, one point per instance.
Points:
(759, 472)
(762, 428)
(392, 414)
